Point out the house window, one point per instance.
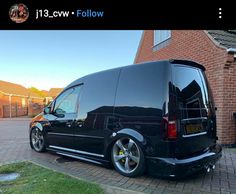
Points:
(161, 36)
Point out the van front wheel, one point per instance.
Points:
(127, 157)
(37, 140)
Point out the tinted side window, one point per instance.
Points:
(67, 101)
(97, 98)
(191, 92)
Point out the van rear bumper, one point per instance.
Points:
(173, 167)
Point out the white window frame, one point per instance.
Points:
(163, 36)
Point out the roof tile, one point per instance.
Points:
(226, 38)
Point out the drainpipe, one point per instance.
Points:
(10, 104)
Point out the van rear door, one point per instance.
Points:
(195, 116)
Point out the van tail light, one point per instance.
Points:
(171, 130)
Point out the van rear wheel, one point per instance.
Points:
(127, 157)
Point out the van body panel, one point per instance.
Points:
(95, 111)
(136, 104)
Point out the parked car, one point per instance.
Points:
(156, 116)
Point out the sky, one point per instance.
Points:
(53, 59)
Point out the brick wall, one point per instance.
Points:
(16, 106)
(32, 107)
(229, 100)
(3, 101)
(220, 69)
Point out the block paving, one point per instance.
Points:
(14, 146)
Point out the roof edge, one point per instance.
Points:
(19, 95)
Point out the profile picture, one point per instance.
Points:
(19, 13)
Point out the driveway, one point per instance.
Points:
(14, 146)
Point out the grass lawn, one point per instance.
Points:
(35, 179)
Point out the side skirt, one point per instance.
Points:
(81, 157)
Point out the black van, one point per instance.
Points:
(157, 116)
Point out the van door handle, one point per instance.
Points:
(68, 124)
(79, 124)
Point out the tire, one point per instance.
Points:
(37, 140)
(127, 157)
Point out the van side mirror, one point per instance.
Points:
(60, 113)
(47, 110)
(215, 108)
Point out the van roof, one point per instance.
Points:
(172, 61)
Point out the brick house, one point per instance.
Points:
(216, 50)
(16, 100)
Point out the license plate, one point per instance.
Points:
(193, 128)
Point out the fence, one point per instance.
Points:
(14, 110)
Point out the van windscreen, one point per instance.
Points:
(191, 92)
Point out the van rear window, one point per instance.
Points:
(192, 95)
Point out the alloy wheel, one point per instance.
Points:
(126, 155)
(37, 140)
